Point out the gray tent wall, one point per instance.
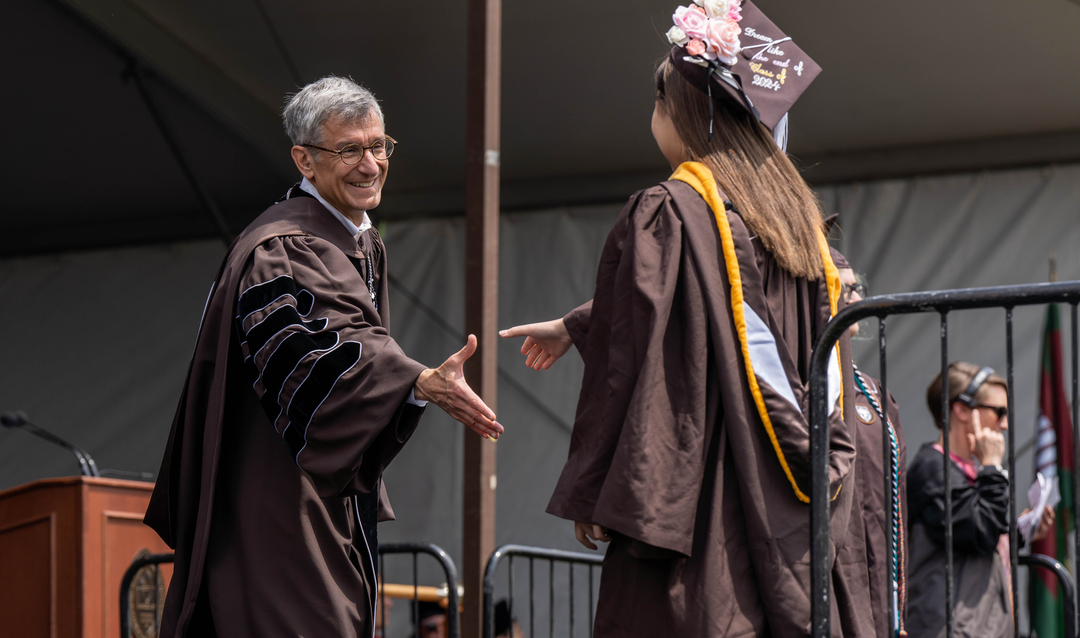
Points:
(95, 344)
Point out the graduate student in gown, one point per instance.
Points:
(883, 544)
(690, 447)
(296, 400)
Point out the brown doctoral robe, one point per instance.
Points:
(668, 450)
(870, 473)
(295, 402)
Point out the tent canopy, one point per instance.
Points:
(908, 88)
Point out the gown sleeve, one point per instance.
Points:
(577, 324)
(642, 409)
(331, 380)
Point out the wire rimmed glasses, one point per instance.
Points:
(858, 288)
(352, 154)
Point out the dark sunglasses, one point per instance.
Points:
(1000, 411)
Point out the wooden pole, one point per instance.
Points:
(481, 293)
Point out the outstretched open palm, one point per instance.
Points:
(445, 386)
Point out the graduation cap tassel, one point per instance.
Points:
(710, 109)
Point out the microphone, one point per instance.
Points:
(18, 419)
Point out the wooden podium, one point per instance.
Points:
(65, 544)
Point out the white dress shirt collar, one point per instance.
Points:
(354, 230)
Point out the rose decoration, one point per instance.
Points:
(708, 30)
(692, 20)
(724, 36)
(717, 8)
(677, 36)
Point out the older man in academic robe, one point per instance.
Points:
(297, 399)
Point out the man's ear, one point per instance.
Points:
(305, 163)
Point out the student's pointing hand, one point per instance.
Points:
(544, 343)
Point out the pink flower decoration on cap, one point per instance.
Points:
(693, 21)
(695, 47)
(724, 37)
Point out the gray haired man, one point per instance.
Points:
(296, 400)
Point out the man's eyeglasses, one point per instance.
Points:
(850, 288)
(1000, 411)
(352, 154)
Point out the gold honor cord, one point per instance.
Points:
(700, 178)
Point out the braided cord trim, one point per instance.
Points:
(899, 584)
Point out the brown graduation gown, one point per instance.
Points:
(669, 452)
(872, 496)
(294, 404)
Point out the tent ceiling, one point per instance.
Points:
(902, 82)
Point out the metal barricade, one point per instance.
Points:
(453, 609)
(125, 590)
(532, 554)
(1065, 581)
(940, 302)
(453, 614)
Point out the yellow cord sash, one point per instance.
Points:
(700, 178)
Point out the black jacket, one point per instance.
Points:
(980, 511)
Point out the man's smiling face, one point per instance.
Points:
(350, 189)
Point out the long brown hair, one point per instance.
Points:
(755, 174)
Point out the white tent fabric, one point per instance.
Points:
(95, 345)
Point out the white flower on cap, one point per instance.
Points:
(677, 36)
(716, 8)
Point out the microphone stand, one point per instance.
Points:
(19, 420)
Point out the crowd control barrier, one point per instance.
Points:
(507, 553)
(453, 609)
(941, 302)
(418, 592)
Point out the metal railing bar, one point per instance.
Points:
(382, 599)
(947, 300)
(886, 451)
(1014, 556)
(590, 601)
(571, 570)
(551, 598)
(820, 610)
(532, 597)
(881, 306)
(453, 615)
(510, 599)
(125, 589)
(415, 595)
(1065, 581)
(1076, 452)
(946, 459)
(532, 553)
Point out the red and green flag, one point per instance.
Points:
(1054, 457)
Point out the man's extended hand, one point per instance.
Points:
(544, 343)
(445, 387)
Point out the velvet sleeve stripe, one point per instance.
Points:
(283, 362)
(280, 319)
(262, 295)
(316, 387)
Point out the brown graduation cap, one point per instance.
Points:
(763, 69)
